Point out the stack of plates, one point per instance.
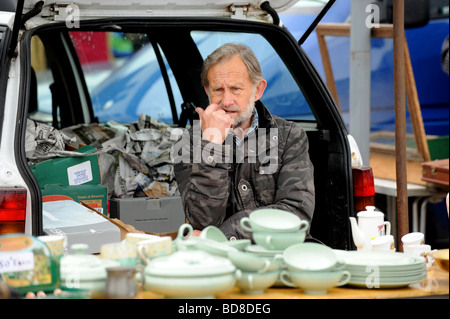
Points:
(376, 269)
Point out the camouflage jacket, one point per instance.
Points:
(220, 184)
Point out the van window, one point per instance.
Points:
(283, 97)
(40, 103)
(124, 77)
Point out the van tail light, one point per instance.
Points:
(13, 204)
(363, 188)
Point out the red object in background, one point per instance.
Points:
(363, 188)
(90, 46)
(13, 204)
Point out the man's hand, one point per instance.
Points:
(215, 123)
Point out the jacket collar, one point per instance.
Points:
(265, 119)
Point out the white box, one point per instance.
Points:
(79, 224)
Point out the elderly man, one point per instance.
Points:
(244, 158)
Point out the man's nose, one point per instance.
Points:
(227, 98)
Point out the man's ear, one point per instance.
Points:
(206, 90)
(260, 88)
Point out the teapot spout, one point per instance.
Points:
(358, 236)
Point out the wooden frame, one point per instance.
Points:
(384, 31)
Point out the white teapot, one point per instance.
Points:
(370, 225)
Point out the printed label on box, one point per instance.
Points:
(80, 173)
(15, 262)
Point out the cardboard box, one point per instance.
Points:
(79, 224)
(96, 196)
(68, 171)
(149, 214)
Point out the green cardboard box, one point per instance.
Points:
(69, 171)
(95, 196)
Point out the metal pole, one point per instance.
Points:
(400, 118)
(360, 46)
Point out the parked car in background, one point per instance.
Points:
(425, 46)
(105, 63)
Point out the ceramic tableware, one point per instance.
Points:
(376, 269)
(383, 243)
(256, 283)
(85, 271)
(251, 263)
(370, 225)
(311, 257)
(273, 220)
(414, 238)
(420, 250)
(154, 247)
(279, 241)
(118, 252)
(190, 274)
(240, 244)
(56, 243)
(213, 233)
(316, 282)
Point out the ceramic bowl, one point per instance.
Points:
(189, 274)
(256, 283)
(251, 263)
(279, 241)
(190, 287)
(273, 220)
(441, 258)
(311, 257)
(316, 282)
(213, 233)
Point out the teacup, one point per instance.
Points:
(419, 250)
(154, 247)
(415, 238)
(251, 263)
(255, 283)
(317, 282)
(273, 220)
(311, 257)
(383, 243)
(131, 241)
(117, 252)
(279, 241)
(57, 244)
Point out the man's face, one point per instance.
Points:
(230, 86)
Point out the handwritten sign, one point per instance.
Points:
(16, 262)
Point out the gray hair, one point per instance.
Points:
(227, 51)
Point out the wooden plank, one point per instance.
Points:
(414, 108)
(383, 166)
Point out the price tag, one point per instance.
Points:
(16, 262)
(80, 173)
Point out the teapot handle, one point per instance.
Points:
(244, 222)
